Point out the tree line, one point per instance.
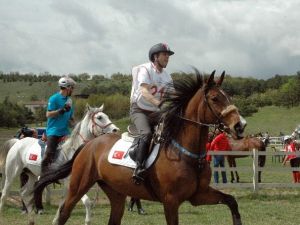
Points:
(247, 93)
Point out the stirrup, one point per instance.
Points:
(137, 178)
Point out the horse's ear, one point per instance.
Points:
(220, 81)
(101, 108)
(87, 107)
(211, 78)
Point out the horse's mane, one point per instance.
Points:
(175, 101)
(71, 141)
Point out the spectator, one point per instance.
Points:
(138, 203)
(220, 143)
(289, 146)
(208, 147)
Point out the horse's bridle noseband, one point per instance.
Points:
(94, 125)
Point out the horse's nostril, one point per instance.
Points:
(114, 130)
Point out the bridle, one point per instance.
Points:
(94, 126)
(223, 114)
(218, 125)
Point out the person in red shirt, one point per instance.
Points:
(289, 146)
(220, 143)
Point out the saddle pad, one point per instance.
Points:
(35, 155)
(118, 154)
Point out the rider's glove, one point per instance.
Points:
(66, 108)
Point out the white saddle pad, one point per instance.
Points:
(118, 154)
(35, 154)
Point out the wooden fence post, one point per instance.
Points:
(255, 170)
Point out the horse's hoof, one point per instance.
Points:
(40, 212)
(237, 221)
(23, 212)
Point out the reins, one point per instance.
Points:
(216, 125)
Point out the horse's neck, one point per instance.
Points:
(80, 137)
(84, 131)
(194, 136)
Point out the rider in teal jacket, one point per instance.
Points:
(59, 114)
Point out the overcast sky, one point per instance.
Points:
(257, 38)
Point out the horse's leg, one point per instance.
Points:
(171, 207)
(236, 172)
(27, 196)
(10, 174)
(213, 196)
(229, 160)
(77, 188)
(117, 203)
(88, 211)
(23, 181)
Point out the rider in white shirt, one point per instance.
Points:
(149, 82)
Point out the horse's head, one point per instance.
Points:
(217, 107)
(100, 122)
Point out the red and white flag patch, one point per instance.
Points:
(118, 154)
(33, 157)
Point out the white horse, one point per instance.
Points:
(3, 153)
(93, 124)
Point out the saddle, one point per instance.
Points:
(119, 153)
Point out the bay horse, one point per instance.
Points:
(180, 173)
(246, 144)
(93, 124)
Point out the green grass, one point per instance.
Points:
(274, 119)
(269, 207)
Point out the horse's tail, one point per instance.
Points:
(4, 151)
(55, 174)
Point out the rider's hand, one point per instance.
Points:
(66, 108)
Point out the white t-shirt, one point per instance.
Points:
(148, 74)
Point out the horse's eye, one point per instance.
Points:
(99, 117)
(214, 99)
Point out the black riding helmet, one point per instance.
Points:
(160, 47)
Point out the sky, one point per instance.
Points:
(247, 38)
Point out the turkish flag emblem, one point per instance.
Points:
(33, 157)
(118, 155)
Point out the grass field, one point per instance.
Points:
(267, 207)
(271, 207)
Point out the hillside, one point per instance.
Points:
(22, 92)
(274, 120)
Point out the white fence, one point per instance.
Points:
(254, 168)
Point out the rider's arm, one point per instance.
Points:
(145, 91)
(53, 113)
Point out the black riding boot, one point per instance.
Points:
(139, 154)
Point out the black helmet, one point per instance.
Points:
(160, 47)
